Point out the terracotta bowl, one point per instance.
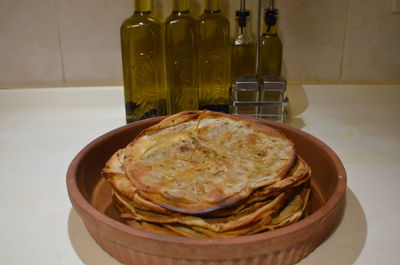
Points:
(91, 197)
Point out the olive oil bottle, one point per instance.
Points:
(270, 60)
(214, 50)
(143, 64)
(181, 48)
(243, 46)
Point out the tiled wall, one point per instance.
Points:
(77, 41)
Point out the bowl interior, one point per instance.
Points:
(326, 167)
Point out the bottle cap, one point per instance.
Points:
(277, 84)
(248, 83)
(271, 17)
(242, 17)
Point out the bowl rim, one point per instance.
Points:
(76, 196)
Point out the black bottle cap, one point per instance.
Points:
(271, 17)
(242, 16)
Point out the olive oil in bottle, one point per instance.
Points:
(214, 50)
(143, 64)
(243, 46)
(181, 48)
(270, 60)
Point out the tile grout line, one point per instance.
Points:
(344, 43)
(59, 42)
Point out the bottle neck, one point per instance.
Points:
(181, 5)
(271, 30)
(242, 19)
(142, 6)
(242, 30)
(213, 6)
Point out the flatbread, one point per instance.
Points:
(199, 163)
(205, 174)
(218, 224)
(299, 174)
(283, 215)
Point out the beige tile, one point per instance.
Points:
(372, 50)
(312, 33)
(29, 46)
(90, 38)
(90, 34)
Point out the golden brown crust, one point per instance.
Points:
(169, 122)
(251, 125)
(176, 119)
(115, 164)
(233, 222)
(201, 161)
(206, 174)
(286, 208)
(299, 174)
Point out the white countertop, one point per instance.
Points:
(41, 130)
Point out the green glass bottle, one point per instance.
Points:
(181, 49)
(214, 50)
(270, 60)
(143, 64)
(243, 46)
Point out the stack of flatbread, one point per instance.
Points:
(207, 174)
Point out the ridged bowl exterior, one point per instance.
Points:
(283, 246)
